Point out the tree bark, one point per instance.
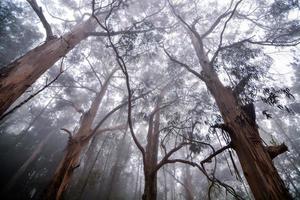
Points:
(256, 163)
(150, 188)
(150, 163)
(23, 72)
(74, 148)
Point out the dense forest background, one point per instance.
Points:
(149, 99)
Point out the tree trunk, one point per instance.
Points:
(64, 172)
(23, 72)
(256, 162)
(121, 160)
(75, 146)
(137, 182)
(254, 158)
(26, 164)
(165, 183)
(150, 190)
(187, 181)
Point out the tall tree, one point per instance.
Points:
(17, 76)
(76, 144)
(255, 158)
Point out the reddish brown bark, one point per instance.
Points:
(23, 72)
(150, 163)
(256, 163)
(74, 148)
(255, 160)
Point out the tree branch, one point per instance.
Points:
(241, 85)
(184, 65)
(39, 12)
(208, 159)
(167, 156)
(223, 30)
(123, 67)
(276, 150)
(34, 94)
(215, 24)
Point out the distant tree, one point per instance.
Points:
(16, 34)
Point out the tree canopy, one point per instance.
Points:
(157, 99)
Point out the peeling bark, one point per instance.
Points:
(74, 148)
(23, 72)
(254, 158)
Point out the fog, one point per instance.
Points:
(157, 99)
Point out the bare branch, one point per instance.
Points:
(168, 155)
(68, 132)
(34, 94)
(94, 71)
(39, 12)
(208, 159)
(276, 150)
(123, 67)
(191, 28)
(223, 30)
(215, 24)
(185, 66)
(73, 105)
(110, 129)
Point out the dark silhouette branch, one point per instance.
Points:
(184, 65)
(123, 67)
(208, 159)
(34, 94)
(223, 30)
(168, 155)
(216, 23)
(276, 150)
(38, 10)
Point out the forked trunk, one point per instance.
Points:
(257, 165)
(64, 172)
(23, 72)
(75, 146)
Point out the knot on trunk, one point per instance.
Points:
(276, 150)
(224, 127)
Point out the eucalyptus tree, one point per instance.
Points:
(76, 143)
(235, 54)
(16, 35)
(17, 76)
